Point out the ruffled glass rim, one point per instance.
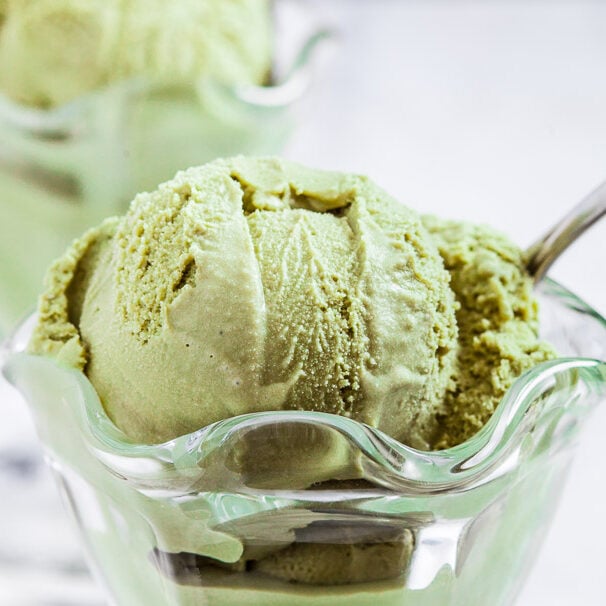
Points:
(563, 388)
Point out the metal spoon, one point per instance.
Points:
(547, 249)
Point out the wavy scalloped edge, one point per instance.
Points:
(547, 392)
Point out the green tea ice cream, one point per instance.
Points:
(52, 51)
(257, 285)
(249, 285)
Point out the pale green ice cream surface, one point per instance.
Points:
(52, 51)
(257, 284)
(497, 320)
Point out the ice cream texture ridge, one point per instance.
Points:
(52, 51)
(256, 284)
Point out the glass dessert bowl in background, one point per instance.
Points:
(219, 516)
(66, 168)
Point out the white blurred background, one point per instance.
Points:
(490, 111)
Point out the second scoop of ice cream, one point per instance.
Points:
(256, 284)
(52, 51)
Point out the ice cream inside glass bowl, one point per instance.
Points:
(269, 384)
(101, 100)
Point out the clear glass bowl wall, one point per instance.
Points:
(310, 508)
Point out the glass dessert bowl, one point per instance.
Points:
(313, 508)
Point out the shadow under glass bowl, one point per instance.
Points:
(65, 169)
(304, 508)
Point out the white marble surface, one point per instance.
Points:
(491, 111)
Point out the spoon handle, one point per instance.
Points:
(547, 249)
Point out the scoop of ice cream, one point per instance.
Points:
(497, 320)
(52, 51)
(256, 284)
